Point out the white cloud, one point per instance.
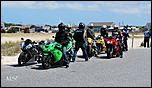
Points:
(48, 5)
(18, 4)
(126, 11)
(78, 6)
(124, 7)
(30, 4)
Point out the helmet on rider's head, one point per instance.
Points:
(90, 25)
(81, 25)
(110, 37)
(126, 26)
(61, 27)
(116, 28)
(69, 26)
(104, 27)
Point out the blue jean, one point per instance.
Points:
(66, 60)
(83, 47)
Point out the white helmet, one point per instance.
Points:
(69, 25)
(116, 26)
(90, 24)
(104, 26)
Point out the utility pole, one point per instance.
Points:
(123, 23)
(132, 38)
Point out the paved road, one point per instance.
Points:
(133, 70)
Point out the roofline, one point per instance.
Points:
(102, 22)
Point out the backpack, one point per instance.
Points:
(146, 34)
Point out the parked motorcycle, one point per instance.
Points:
(100, 43)
(90, 47)
(53, 55)
(114, 47)
(30, 50)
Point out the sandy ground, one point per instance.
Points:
(13, 59)
(32, 37)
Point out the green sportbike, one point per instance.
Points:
(53, 55)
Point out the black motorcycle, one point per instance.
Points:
(30, 50)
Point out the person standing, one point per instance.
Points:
(104, 32)
(81, 39)
(146, 38)
(91, 34)
(125, 37)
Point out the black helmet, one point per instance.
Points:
(81, 25)
(110, 37)
(61, 27)
(116, 28)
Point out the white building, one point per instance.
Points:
(46, 28)
(2, 25)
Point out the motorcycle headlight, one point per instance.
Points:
(49, 50)
(89, 41)
(21, 45)
(109, 41)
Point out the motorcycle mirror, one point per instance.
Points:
(22, 38)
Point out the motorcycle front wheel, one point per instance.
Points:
(46, 62)
(22, 59)
(109, 52)
(89, 51)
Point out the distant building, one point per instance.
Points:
(32, 30)
(98, 25)
(54, 30)
(18, 28)
(48, 28)
(2, 25)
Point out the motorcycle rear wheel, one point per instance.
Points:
(121, 54)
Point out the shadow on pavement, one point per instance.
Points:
(80, 56)
(103, 57)
(27, 64)
(80, 61)
(39, 67)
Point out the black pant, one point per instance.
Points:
(146, 40)
(83, 47)
(126, 45)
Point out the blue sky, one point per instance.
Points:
(72, 12)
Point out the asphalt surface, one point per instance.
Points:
(133, 70)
